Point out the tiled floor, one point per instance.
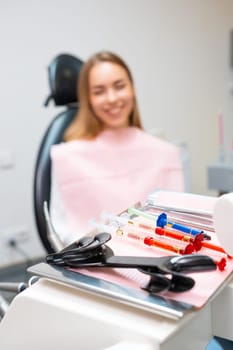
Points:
(18, 274)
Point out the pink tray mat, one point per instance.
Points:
(206, 283)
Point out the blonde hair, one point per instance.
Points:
(85, 124)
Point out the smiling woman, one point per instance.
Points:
(107, 97)
(111, 94)
(107, 161)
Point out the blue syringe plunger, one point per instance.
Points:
(162, 222)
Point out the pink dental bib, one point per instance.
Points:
(112, 172)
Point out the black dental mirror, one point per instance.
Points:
(93, 252)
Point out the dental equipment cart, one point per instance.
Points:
(68, 310)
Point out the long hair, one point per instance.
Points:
(85, 124)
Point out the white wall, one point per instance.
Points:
(178, 51)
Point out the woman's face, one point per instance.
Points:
(111, 94)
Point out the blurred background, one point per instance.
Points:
(178, 51)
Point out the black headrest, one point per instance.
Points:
(63, 74)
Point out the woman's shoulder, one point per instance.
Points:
(66, 147)
(128, 138)
(157, 142)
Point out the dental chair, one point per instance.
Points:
(63, 73)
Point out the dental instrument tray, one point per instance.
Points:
(167, 271)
